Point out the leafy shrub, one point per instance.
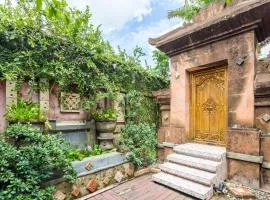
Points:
(141, 109)
(78, 154)
(29, 159)
(97, 150)
(48, 39)
(106, 114)
(24, 111)
(140, 140)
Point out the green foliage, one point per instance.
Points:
(97, 150)
(140, 140)
(24, 111)
(161, 64)
(141, 109)
(191, 8)
(28, 159)
(105, 114)
(47, 39)
(78, 154)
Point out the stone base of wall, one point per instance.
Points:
(171, 134)
(101, 178)
(265, 152)
(266, 179)
(95, 173)
(163, 153)
(243, 172)
(244, 162)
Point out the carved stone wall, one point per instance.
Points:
(262, 115)
(55, 111)
(262, 95)
(240, 80)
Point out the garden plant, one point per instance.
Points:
(29, 159)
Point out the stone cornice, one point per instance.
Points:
(248, 16)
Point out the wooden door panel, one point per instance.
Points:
(209, 106)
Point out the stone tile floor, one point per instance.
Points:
(143, 188)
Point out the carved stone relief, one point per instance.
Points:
(70, 102)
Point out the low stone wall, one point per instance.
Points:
(244, 160)
(102, 171)
(265, 152)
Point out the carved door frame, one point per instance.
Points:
(191, 135)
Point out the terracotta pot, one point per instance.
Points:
(106, 126)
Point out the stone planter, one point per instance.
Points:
(105, 126)
(105, 129)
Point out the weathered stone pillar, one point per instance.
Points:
(44, 97)
(11, 93)
(262, 115)
(165, 139)
(119, 105)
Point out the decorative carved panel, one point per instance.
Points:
(70, 102)
(209, 106)
(266, 117)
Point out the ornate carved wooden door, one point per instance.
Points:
(209, 106)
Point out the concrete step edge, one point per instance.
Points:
(197, 163)
(193, 174)
(186, 186)
(201, 151)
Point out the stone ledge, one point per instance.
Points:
(142, 172)
(265, 135)
(166, 144)
(99, 163)
(266, 165)
(245, 157)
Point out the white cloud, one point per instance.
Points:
(114, 14)
(139, 37)
(265, 51)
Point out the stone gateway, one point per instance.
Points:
(219, 96)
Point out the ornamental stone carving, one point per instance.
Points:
(266, 117)
(70, 102)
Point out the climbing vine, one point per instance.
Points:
(192, 8)
(47, 39)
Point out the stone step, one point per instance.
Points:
(196, 175)
(208, 152)
(197, 163)
(186, 186)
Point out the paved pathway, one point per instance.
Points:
(141, 188)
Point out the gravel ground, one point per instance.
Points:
(260, 195)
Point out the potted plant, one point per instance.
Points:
(105, 126)
(105, 120)
(25, 112)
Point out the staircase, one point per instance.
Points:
(194, 169)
